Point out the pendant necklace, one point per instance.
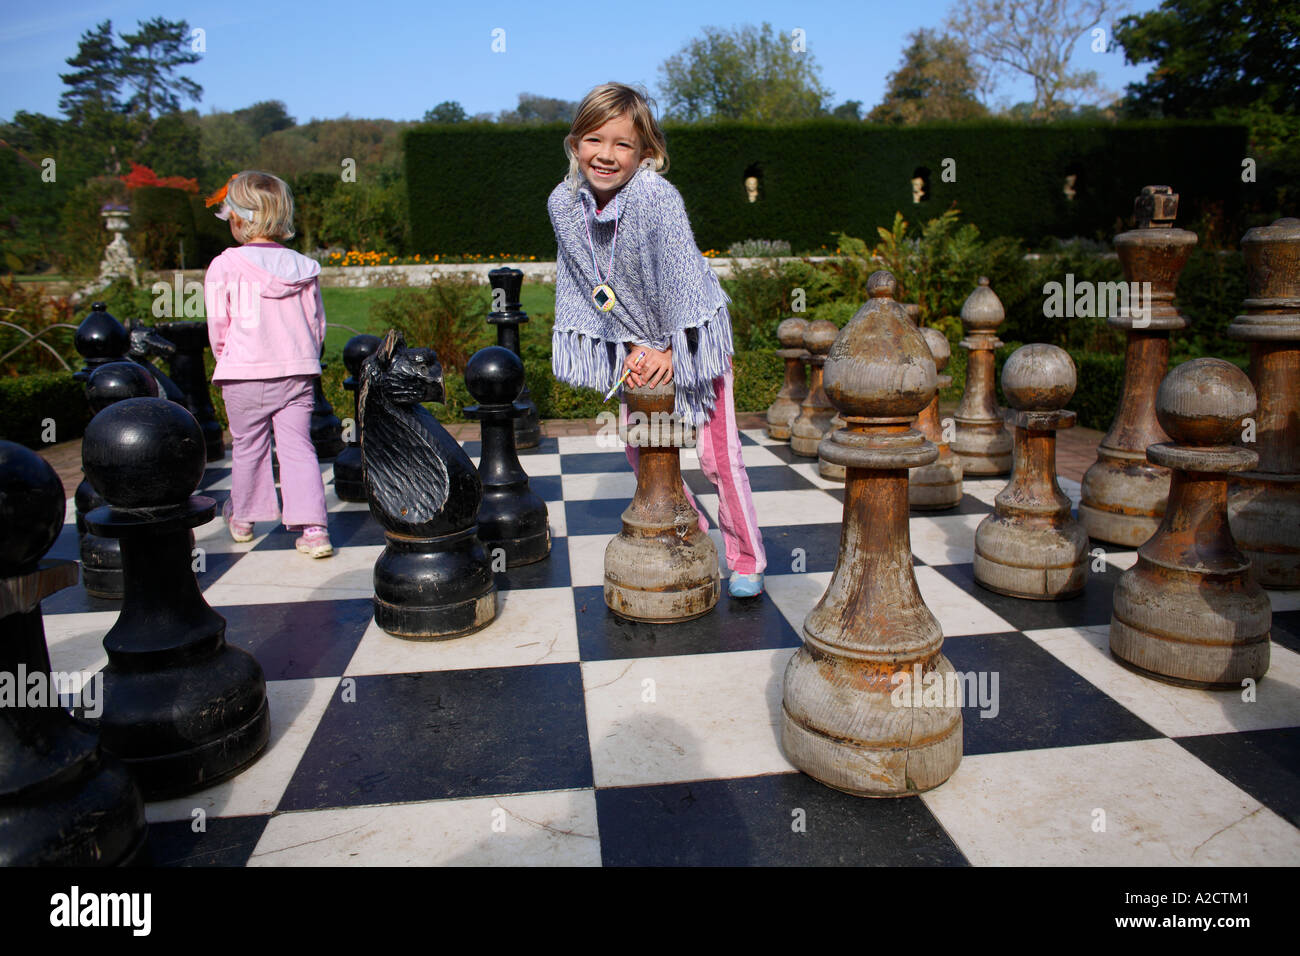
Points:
(603, 295)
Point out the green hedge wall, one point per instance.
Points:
(26, 401)
(476, 187)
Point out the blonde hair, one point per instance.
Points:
(269, 199)
(607, 102)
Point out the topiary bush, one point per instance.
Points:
(31, 404)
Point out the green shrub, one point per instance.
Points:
(30, 402)
(446, 317)
(161, 219)
(25, 305)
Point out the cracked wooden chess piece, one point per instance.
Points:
(101, 557)
(185, 364)
(182, 708)
(528, 427)
(1123, 493)
(851, 716)
(1190, 611)
(326, 429)
(936, 486)
(981, 439)
(1264, 503)
(816, 411)
(660, 567)
(433, 579)
(512, 516)
(1031, 546)
(785, 409)
(349, 481)
(63, 801)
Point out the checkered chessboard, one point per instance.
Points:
(563, 735)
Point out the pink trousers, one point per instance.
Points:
(718, 447)
(254, 407)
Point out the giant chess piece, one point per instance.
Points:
(187, 371)
(433, 579)
(1123, 493)
(661, 567)
(854, 715)
(182, 708)
(349, 481)
(1031, 546)
(936, 486)
(63, 802)
(785, 409)
(326, 429)
(146, 344)
(528, 428)
(101, 557)
(981, 440)
(1264, 503)
(512, 517)
(1191, 610)
(816, 411)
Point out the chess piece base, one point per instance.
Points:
(349, 483)
(1122, 498)
(1264, 511)
(663, 578)
(1040, 562)
(848, 732)
(984, 448)
(829, 470)
(935, 487)
(434, 588)
(1196, 630)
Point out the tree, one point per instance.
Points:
(539, 109)
(749, 74)
(150, 58)
(1213, 54)
(1035, 38)
(849, 109)
(935, 81)
(93, 85)
(448, 111)
(266, 117)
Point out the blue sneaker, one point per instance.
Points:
(745, 585)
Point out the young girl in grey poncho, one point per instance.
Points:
(630, 280)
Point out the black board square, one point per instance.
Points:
(1264, 763)
(228, 841)
(300, 639)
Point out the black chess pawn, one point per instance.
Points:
(63, 802)
(349, 482)
(190, 340)
(101, 557)
(433, 579)
(182, 708)
(326, 429)
(507, 316)
(512, 517)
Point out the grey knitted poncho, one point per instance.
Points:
(665, 292)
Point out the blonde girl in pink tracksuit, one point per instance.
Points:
(266, 323)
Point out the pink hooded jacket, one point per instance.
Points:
(265, 314)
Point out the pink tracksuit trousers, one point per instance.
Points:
(719, 450)
(254, 407)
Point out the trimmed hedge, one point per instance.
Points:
(28, 401)
(1006, 178)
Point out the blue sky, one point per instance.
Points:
(395, 60)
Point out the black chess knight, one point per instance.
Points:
(433, 579)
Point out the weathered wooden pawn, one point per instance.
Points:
(349, 479)
(101, 557)
(660, 567)
(1264, 503)
(816, 411)
(433, 579)
(187, 370)
(507, 317)
(512, 516)
(1191, 611)
(981, 439)
(936, 486)
(181, 707)
(1032, 546)
(859, 710)
(63, 801)
(1123, 494)
(783, 411)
